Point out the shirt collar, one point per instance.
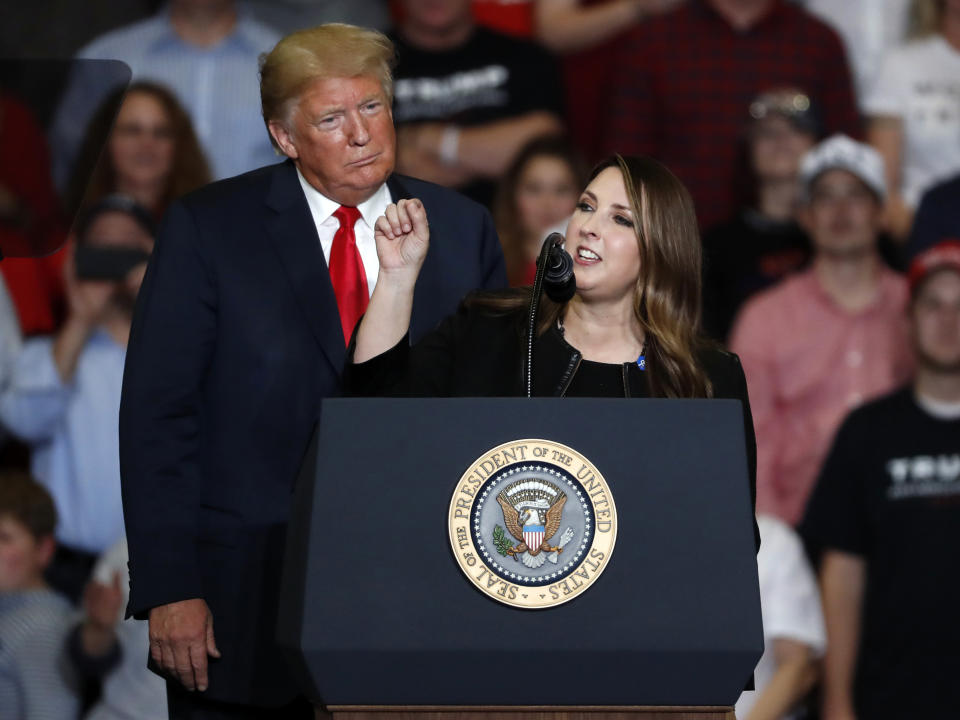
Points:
(375, 206)
(323, 207)
(938, 409)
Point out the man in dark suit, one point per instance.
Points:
(254, 287)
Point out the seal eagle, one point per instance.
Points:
(522, 505)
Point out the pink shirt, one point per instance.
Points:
(808, 362)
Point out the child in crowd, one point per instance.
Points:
(34, 678)
(109, 650)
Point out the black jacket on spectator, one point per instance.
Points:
(236, 339)
(490, 77)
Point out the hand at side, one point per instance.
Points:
(181, 638)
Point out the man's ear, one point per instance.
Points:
(283, 138)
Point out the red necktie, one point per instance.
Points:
(346, 271)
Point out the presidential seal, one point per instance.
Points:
(532, 523)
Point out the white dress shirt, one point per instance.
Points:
(322, 209)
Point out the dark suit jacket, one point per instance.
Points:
(235, 340)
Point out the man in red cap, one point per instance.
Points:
(886, 517)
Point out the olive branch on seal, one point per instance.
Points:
(500, 541)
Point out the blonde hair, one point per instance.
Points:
(334, 50)
(926, 17)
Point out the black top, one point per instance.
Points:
(889, 492)
(480, 353)
(596, 379)
(490, 77)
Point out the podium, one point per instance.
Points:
(380, 619)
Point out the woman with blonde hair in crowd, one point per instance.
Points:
(536, 194)
(914, 109)
(152, 154)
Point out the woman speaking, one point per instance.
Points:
(630, 330)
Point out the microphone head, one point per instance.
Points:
(559, 281)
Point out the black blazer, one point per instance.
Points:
(235, 340)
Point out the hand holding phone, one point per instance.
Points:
(95, 262)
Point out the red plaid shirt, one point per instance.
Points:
(685, 80)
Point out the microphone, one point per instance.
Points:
(554, 277)
(559, 282)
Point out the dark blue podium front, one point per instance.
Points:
(375, 609)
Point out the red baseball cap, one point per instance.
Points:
(943, 255)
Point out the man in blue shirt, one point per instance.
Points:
(206, 53)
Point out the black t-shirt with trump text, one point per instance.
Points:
(490, 77)
(890, 493)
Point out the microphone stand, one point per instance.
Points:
(555, 275)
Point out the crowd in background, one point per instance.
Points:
(820, 141)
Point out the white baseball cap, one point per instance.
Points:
(840, 152)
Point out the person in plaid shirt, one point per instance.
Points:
(684, 78)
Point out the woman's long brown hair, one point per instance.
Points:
(667, 292)
(188, 171)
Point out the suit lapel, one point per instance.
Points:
(295, 239)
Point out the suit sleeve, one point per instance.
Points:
(170, 347)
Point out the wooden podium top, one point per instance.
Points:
(598, 712)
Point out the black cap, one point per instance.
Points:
(790, 103)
